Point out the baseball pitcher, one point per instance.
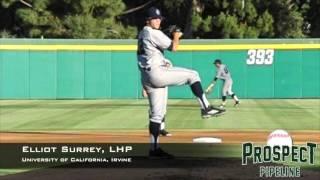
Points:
(224, 74)
(157, 73)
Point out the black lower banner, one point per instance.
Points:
(111, 155)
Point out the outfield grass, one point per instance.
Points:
(4, 172)
(70, 115)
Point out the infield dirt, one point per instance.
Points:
(141, 136)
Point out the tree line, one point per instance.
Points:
(122, 19)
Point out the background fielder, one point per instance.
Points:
(157, 74)
(224, 74)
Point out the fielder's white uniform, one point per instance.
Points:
(224, 74)
(156, 76)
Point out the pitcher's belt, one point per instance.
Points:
(147, 68)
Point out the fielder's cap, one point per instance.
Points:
(217, 61)
(153, 13)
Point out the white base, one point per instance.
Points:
(207, 140)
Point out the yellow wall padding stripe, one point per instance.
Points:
(181, 47)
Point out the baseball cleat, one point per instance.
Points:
(211, 112)
(159, 153)
(163, 132)
(236, 103)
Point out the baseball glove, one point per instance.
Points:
(171, 29)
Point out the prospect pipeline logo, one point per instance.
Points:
(279, 149)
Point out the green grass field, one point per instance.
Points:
(106, 115)
(100, 115)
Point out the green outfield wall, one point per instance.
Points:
(94, 69)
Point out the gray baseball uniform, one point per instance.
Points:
(224, 74)
(155, 73)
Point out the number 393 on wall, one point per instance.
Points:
(260, 56)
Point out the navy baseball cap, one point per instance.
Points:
(217, 61)
(153, 13)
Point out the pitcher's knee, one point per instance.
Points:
(224, 93)
(194, 77)
(230, 93)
